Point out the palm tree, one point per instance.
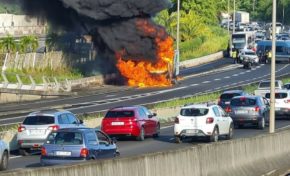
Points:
(8, 44)
(28, 44)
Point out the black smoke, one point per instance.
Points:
(112, 23)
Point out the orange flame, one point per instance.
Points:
(144, 73)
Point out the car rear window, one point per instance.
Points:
(228, 96)
(65, 138)
(194, 112)
(243, 102)
(38, 120)
(277, 95)
(119, 114)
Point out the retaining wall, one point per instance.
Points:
(242, 157)
(201, 60)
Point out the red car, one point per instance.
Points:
(136, 121)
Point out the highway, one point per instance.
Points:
(207, 78)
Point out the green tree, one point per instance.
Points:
(8, 44)
(28, 43)
(51, 41)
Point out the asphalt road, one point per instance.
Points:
(196, 80)
(130, 147)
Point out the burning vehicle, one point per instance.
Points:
(131, 46)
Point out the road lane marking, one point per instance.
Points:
(217, 79)
(205, 82)
(227, 77)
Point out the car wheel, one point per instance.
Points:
(141, 136)
(215, 135)
(157, 131)
(4, 161)
(24, 152)
(231, 132)
(261, 124)
(178, 139)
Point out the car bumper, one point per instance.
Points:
(246, 120)
(31, 143)
(45, 161)
(282, 111)
(123, 132)
(192, 133)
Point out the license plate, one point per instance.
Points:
(191, 131)
(241, 111)
(278, 109)
(62, 153)
(227, 103)
(36, 132)
(117, 123)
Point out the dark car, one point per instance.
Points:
(225, 98)
(287, 86)
(134, 121)
(76, 145)
(253, 110)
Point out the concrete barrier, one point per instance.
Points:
(201, 60)
(243, 157)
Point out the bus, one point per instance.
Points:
(282, 49)
(268, 28)
(243, 40)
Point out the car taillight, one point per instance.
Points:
(176, 120)
(257, 108)
(43, 151)
(21, 128)
(84, 152)
(287, 101)
(228, 109)
(54, 128)
(209, 120)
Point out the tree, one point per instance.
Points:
(28, 44)
(8, 44)
(51, 41)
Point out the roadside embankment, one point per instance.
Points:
(242, 157)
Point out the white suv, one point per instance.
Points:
(208, 121)
(282, 102)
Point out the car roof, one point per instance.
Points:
(197, 106)
(49, 112)
(233, 91)
(122, 108)
(247, 96)
(82, 129)
(281, 91)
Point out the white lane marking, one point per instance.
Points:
(166, 127)
(248, 71)
(205, 82)
(192, 85)
(217, 79)
(285, 127)
(227, 77)
(242, 73)
(235, 75)
(14, 157)
(110, 95)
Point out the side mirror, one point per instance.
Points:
(81, 122)
(154, 114)
(114, 140)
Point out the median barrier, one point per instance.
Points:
(242, 157)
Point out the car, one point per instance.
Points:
(287, 86)
(202, 121)
(4, 155)
(35, 128)
(264, 87)
(76, 145)
(282, 102)
(249, 109)
(225, 98)
(133, 121)
(250, 54)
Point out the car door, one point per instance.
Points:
(266, 108)
(225, 118)
(63, 121)
(145, 121)
(107, 147)
(93, 146)
(151, 120)
(73, 121)
(219, 119)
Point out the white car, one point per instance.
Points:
(4, 155)
(282, 102)
(204, 120)
(246, 53)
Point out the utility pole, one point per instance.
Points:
(228, 16)
(273, 65)
(176, 56)
(234, 17)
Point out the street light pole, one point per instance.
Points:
(176, 57)
(273, 64)
(234, 17)
(228, 16)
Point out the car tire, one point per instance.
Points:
(261, 123)
(215, 135)
(178, 140)
(157, 131)
(24, 152)
(141, 136)
(4, 161)
(231, 132)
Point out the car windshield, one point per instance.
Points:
(228, 96)
(194, 111)
(38, 120)
(243, 102)
(65, 138)
(277, 95)
(119, 114)
(287, 86)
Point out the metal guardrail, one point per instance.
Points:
(28, 82)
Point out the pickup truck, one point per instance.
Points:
(264, 87)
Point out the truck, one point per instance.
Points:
(264, 87)
(242, 17)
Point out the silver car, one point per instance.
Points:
(4, 155)
(34, 130)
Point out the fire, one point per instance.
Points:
(143, 73)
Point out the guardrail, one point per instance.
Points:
(242, 157)
(28, 82)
